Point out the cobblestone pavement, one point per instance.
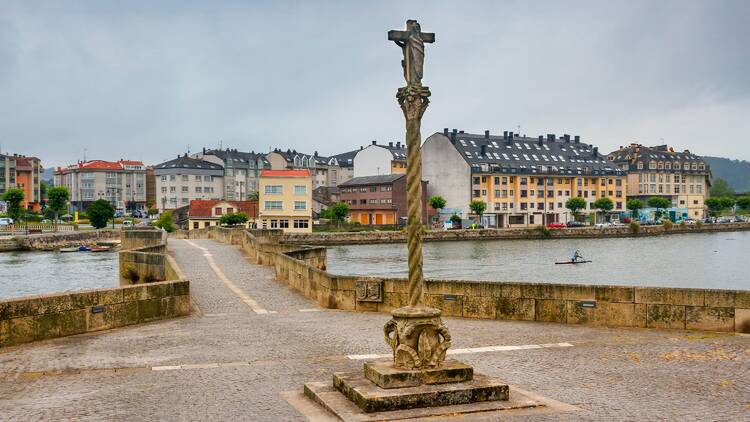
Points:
(234, 363)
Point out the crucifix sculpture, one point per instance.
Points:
(416, 333)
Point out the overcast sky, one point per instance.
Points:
(145, 80)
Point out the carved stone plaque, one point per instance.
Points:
(369, 291)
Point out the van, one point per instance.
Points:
(6, 221)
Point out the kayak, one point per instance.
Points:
(572, 262)
(69, 249)
(84, 249)
(100, 248)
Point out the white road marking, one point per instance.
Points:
(249, 301)
(165, 368)
(475, 350)
(309, 310)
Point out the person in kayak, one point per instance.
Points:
(576, 256)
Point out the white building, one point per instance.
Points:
(183, 179)
(377, 160)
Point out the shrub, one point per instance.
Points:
(667, 224)
(635, 227)
(683, 224)
(233, 219)
(99, 212)
(699, 224)
(165, 222)
(543, 231)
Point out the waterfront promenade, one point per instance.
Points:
(252, 339)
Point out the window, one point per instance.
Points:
(373, 188)
(273, 189)
(273, 205)
(172, 178)
(640, 165)
(198, 189)
(195, 224)
(301, 224)
(497, 180)
(475, 180)
(217, 211)
(163, 189)
(373, 201)
(172, 189)
(283, 224)
(184, 178)
(274, 224)
(184, 200)
(184, 189)
(198, 178)
(300, 205)
(230, 210)
(300, 189)
(163, 178)
(207, 179)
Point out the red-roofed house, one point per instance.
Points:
(285, 200)
(205, 213)
(122, 183)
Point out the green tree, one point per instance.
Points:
(99, 212)
(720, 188)
(43, 189)
(635, 206)
(743, 202)
(727, 202)
(14, 197)
(575, 205)
(477, 206)
(717, 205)
(233, 219)
(437, 202)
(604, 205)
(165, 221)
(152, 211)
(57, 200)
(660, 204)
(339, 211)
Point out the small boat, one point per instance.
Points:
(572, 262)
(100, 249)
(68, 249)
(84, 249)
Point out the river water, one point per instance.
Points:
(702, 260)
(36, 273)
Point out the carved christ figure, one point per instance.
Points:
(412, 42)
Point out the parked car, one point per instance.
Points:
(603, 224)
(556, 225)
(739, 219)
(575, 224)
(689, 221)
(723, 220)
(127, 223)
(6, 221)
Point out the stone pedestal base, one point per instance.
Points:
(371, 398)
(385, 374)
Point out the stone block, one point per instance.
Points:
(450, 305)
(72, 322)
(20, 308)
(393, 301)
(134, 293)
(180, 288)
(122, 314)
(4, 332)
(47, 326)
(515, 308)
(479, 307)
(371, 398)
(158, 290)
(742, 299)
(51, 304)
(83, 300)
(720, 298)
(742, 321)
(510, 290)
(98, 321)
(543, 291)
(614, 294)
(550, 310)
(21, 330)
(579, 292)
(182, 305)
(669, 296)
(665, 316)
(108, 297)
(709, 318)
(605, 313)
(640, 315)
(344, 300)
(385, 375)
(149, 310)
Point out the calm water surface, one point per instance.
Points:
(35, 273)
(710, 260)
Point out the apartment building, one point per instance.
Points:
(522, 180)
(380, 200)
(22, 172)
(122, 183)
(377, 159)
(325, 171)
(184, 179)
(682, 177)
(241, 170)
(285, 200)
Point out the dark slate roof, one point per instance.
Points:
(372, 180)
(520, 154)
(346, 159)
(635, 153)
(231, 155)
(290, 154)
(184, 161)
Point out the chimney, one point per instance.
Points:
(390, 144)
(550, 137)
(204, 150)
(445, 131)
(460, 131)
(453, 137)
(577, 139)
(596, 151)
(541, 140)
(374, 142)
(510, 136)
(454, 132)
(398, 144)
(484, 150)
(315, 154)
(361, 147)
(486, 134)
(505, 134)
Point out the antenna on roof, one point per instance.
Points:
(84, 155)
(188, 148)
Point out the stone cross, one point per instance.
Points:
(412, 42)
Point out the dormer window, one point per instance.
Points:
(652, 165)
(661, 165)
(640, 165)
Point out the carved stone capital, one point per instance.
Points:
(418, 337)
(413, 99)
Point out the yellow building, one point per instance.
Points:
(285, 200)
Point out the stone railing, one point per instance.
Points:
(158, 290)
(350, 238)
(303, 268)
(36, 228)
(52, 241)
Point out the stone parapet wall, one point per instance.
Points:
(52, 241)
(34, 318)
(143, 257)
(8, 244)
(303, 268)
(353, 238)
(140, 237)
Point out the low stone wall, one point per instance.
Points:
(353, 238)
(43, 317)
(303, 268)
(143, 257)
(8, 244)
(52, 241)
(138, 237)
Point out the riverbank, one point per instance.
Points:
(355, 238)
(54, 241)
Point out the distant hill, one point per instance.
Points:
(735, 172)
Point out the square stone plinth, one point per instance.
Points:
(385, 374)
(371, 398)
